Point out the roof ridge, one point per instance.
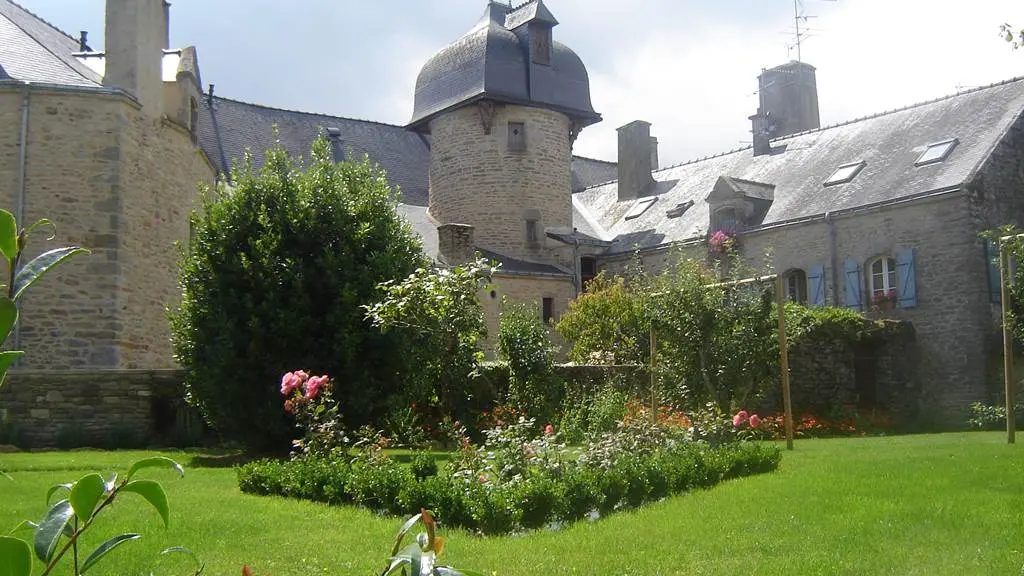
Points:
(41, 19)
(905, 108)
(293, 111)
(581, 157)
(839, 124)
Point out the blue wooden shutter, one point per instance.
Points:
(853, 299)
(906, 281)
(994, 278)
(816, 285)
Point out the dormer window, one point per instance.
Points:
(936, 152)
(845, 173)
(540, 40)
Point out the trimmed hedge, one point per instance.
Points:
(532, 502)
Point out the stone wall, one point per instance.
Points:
(530, 289)
(116, 182)
(475, 179)
(100, 408)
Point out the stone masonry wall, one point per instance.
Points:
(532, 289)
(475, 179)
(116, 408)
(69, 320)
(950, 318)
(120, 185)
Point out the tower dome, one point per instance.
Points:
(510, 57)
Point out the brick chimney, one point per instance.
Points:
(761, 132)
(455, 243)
(636, 158)
(135, 35)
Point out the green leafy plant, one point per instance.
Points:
(60, 530)
(439, 311)
(278, 269)
(523, 342)
(419, 558)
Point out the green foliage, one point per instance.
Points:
(1012, 35)
(423, 466)
(608, 324)
(585, 415)
(523, 342)
(438, 310)
(60, 530)
(275, 276)
(986, 417)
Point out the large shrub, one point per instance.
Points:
(609, 323)
(523, 342)
(276, 274)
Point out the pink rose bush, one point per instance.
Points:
(309, 399)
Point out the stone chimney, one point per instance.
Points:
(636, 153)
(455, 243)
(167, 25)
(654, 153)
(135, 35)
(761, 133)
(789, 97)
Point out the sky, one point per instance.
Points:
(687, 66)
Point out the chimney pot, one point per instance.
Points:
(636, 159)
(455, 243)
(83, 41)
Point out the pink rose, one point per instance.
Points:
(549, 430)
(313, 386)
(755, 421)
(736, 421)
(289, 383)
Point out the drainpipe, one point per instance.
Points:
(19, 197)
(576, 267)
(834, 256)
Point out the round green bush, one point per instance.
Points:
(275, 277)
(423, 466)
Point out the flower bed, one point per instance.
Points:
(512, 483)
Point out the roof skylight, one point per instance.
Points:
(640, 207)
(845, 173)
(936, 152)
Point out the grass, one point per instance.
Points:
(929, 504)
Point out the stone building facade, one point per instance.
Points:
(113, 145)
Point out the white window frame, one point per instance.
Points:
(887, 273)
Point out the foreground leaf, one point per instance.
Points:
(8, 235)
(155, 462)
(6, 359)
(15, 557)
(154, 493)
(51, 528)
(40, 265)
(8, 317)
(86, 495)
(53, 490)
(402, 532)
(105, 548)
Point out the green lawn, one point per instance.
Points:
(930, 504)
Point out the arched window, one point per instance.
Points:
(882, 278)
(796, 286)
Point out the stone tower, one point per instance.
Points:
(789, 99)
(503, 106)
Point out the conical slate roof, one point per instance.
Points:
(492, 61)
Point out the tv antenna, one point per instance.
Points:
(800, 16)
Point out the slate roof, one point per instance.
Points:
(490, 61)
(516, 266)
(32, 50)
(889, 143)
(228, 127)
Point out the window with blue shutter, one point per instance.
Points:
(995, 294)
(906, 278)
(853, 298)
(816, 285)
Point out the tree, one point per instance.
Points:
(523, 342)
(438, 310)
(274, 280)
(609, 323)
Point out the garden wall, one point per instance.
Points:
(832, 374)
(99, 408)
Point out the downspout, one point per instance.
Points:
(19, 197)
(834, 256)
(576, 267)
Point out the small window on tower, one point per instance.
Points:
(541, 40)
(548, 310)
(532, 233)
(516, 137)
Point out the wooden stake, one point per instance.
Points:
(1004, 292)
(784, 359)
